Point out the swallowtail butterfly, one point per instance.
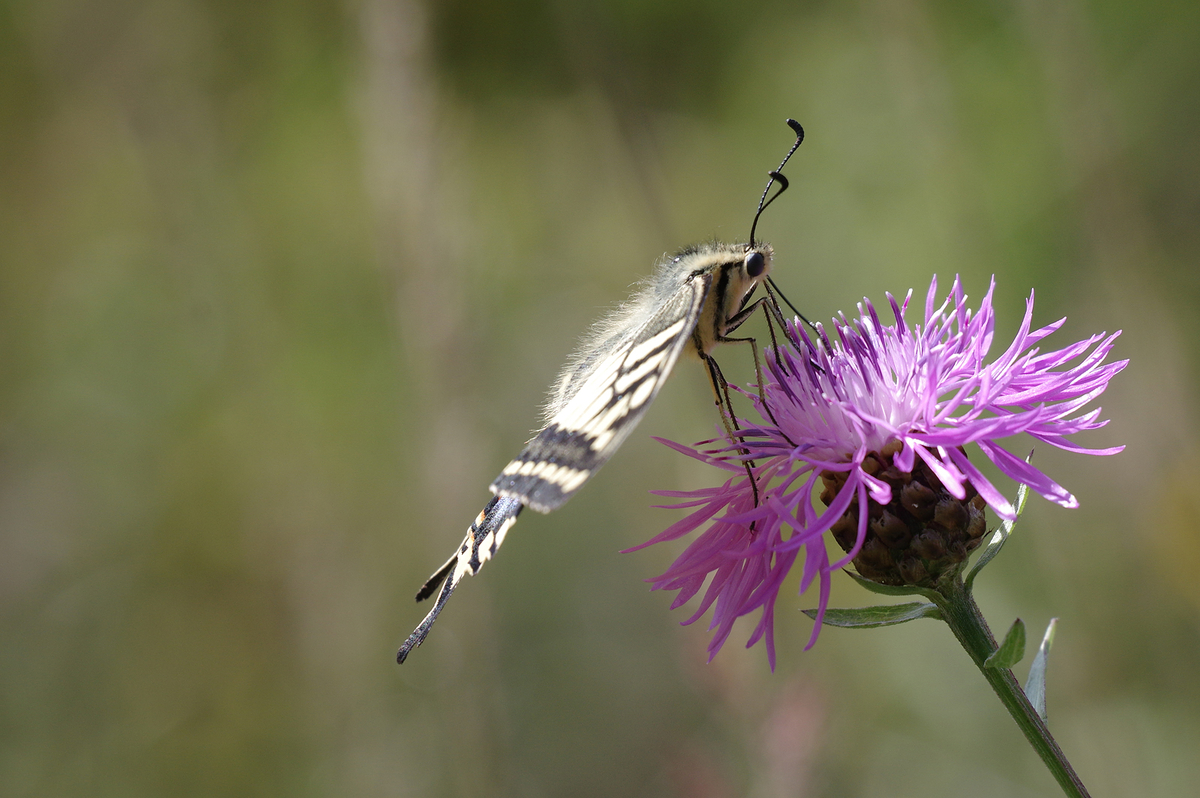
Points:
(689, 305)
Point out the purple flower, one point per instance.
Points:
(878, 418)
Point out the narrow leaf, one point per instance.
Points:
(1011, 650)
(1035, 684)
(1001, 535)
(873, 617)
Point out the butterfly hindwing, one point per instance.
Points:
(483, 538)
(605, 405)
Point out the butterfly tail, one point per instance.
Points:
(482, 540)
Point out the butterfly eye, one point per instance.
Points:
(755, 263)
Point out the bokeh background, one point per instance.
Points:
(282, 284)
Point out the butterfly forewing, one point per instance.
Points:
(609, 395)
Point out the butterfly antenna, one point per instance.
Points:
(776, 177)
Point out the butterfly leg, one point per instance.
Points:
(483, 539)
(720, 388)
(772, 290)
(771, 309)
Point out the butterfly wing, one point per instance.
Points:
(605, 390)
(609, 388)
(611, 398)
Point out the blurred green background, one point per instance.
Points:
(283, 284)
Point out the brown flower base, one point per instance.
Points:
(919, 535)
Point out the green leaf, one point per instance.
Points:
(1035, 683)
(882, 615)
(1011, 650)
(1001, 535)
(893, 590)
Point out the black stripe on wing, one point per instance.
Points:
(605, 408)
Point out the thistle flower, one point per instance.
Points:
(877, 418)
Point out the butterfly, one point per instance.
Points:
(690, 304)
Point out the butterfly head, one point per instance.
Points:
(751, 269)
(757, 262)
(735, 271)
(744, 275)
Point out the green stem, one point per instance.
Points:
(962, 614)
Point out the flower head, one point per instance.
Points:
(877, 417)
